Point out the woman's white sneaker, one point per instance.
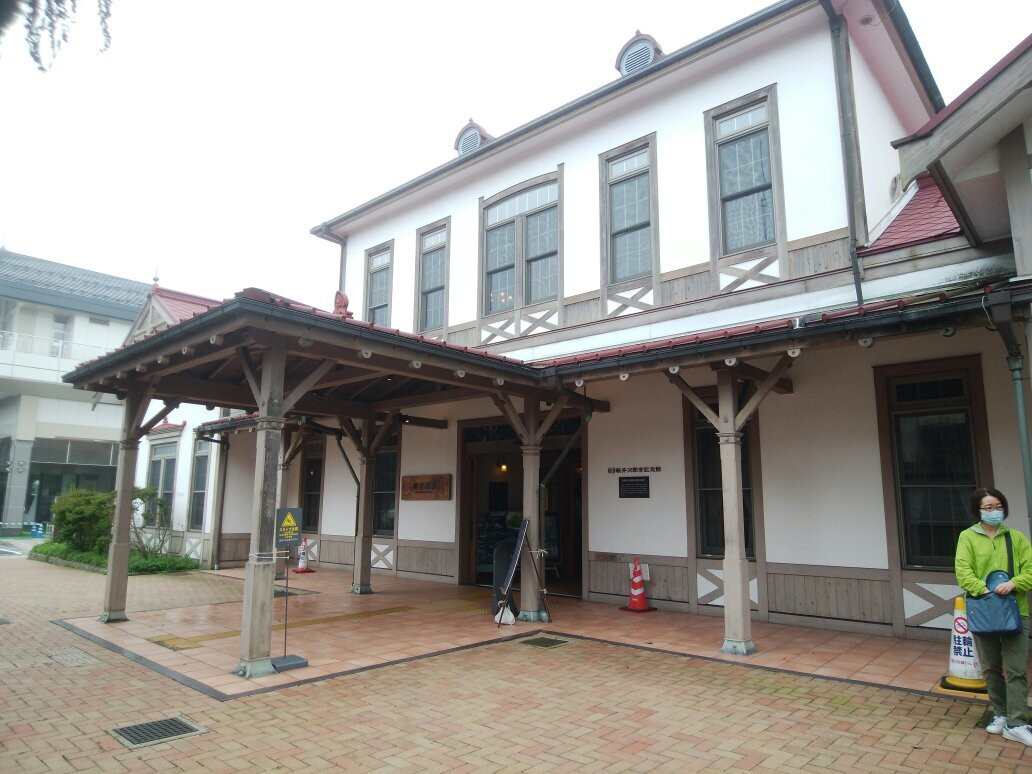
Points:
(1021, 734)
(997, 724)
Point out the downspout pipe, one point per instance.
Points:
(843, 89)
(1000, 314)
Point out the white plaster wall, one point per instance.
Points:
(822, 483)
(238, 511)
(821, 473)
(193, 416)
(877, 124)
(644, 428)
(339, 491)
(56, 418)
(796, 56)
(425, 451)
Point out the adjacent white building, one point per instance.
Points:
(54, 438)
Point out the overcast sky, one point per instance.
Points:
(203, 146)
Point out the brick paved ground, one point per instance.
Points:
(501, 707)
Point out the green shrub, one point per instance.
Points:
(64, 551)
(82, 519)
(138, 564)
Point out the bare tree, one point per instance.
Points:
(48, 25)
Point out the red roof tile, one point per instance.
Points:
(182, 306)
(167, 427)
(925, 218)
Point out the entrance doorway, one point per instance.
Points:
(492, 502)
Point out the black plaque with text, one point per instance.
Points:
(634, 486)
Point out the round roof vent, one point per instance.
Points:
(471, 137)
(638, 53)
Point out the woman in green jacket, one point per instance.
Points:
(982, 549)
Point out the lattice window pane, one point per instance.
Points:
(749, 221)
(629, 203)
(542, 278)
(632, 254)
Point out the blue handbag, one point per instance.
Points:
(991, 614)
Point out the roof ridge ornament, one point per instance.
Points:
(340, 305)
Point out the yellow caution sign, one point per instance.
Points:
(288, 527)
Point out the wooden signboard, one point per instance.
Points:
(432, 487)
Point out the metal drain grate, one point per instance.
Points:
(155, 731)
(543, 642)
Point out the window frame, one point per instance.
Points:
(202, 449)
(149, 518)
(520, 243)
(647, 143)
(311, 444)
(60, 334)
(370, 254)
(391, 448)
(695, 423)
(444, 224)
(885, 377)
(768, 96)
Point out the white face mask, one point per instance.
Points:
(993, 518)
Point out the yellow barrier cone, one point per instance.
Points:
(965, 673)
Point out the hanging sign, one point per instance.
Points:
(288, 527)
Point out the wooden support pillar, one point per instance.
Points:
(532, 607)
(364, 533)
(117, 581)
(737, 621)
(259, 574)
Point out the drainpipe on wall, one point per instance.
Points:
(1000, 312)
(847, 124)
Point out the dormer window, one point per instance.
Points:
(638, 53)
(471, 137)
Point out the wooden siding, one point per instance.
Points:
(852, 599)
(582, 311)
(691, 287)
(337, 550)
(233, 549)
(819, 258)
(426, 560)
(666, 582)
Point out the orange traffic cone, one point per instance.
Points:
(637, 603)
(302, 557)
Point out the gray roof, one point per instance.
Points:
(25, 278)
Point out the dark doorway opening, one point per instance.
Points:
(492, 502)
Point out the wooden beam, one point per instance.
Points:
(348, 426)
(504, 404)
(592, 405)
(250, 372)
(388, 427)
(426, 399)
(757, 375)
(306, 384)
(434, 424)
(696, 401)
(550, 417)
(762, 391)
(151, 423)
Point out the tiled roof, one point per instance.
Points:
(71, 281)
(257, 294)
(167, 427)
(182, 306)
(926, 217)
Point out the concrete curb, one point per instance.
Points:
(66, 563)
